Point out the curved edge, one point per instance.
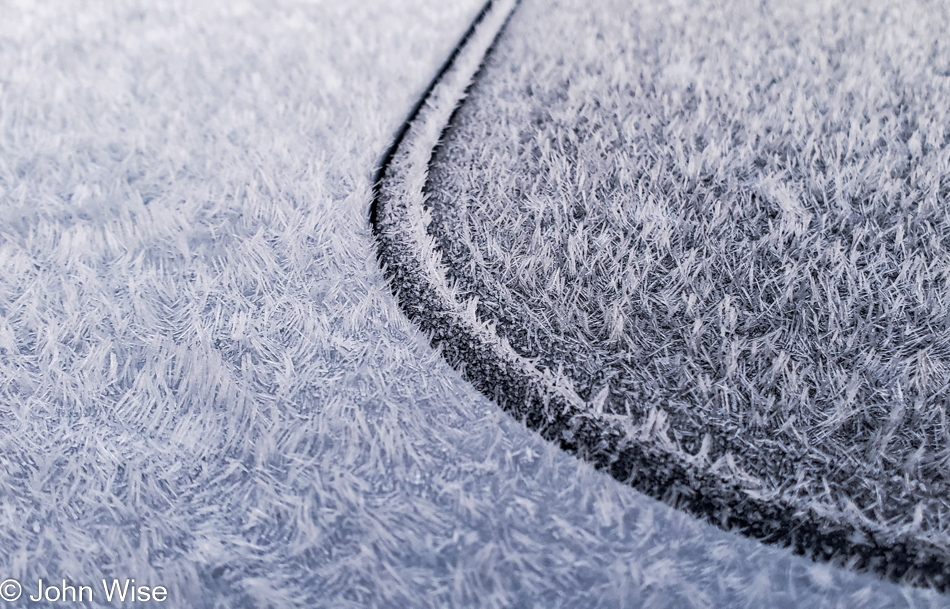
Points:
(641, 455)
(387, 157)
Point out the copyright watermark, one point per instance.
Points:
(110, 590)
(10, 590)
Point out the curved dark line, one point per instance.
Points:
(903, 559)
(401, 132)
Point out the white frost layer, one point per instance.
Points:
(204, 381)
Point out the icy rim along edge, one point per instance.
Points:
(644, 457)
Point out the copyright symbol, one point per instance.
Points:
(10, 590)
